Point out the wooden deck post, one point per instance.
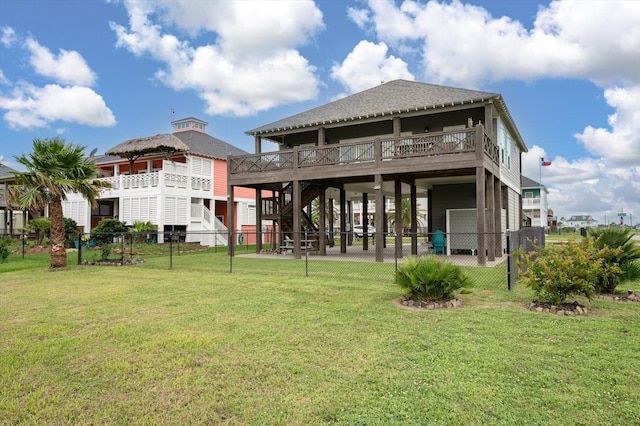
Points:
(414, 220)
(343, 221)
(398, 219)
(491, 223)
(380, 236)
(365, 221)
(297, 230)
(481, 216)
(498, 208)
(322, 226)
(258, 220)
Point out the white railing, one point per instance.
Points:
(201, 183)
(531, 203)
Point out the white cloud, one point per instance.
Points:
(367, 65)
(68, 67)
(359, 16)
(4, 80)
(620, 146)
(29, 106)
(7, 36)
(251, 66)
(569, 39)
(584, 186)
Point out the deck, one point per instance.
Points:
(423, 153)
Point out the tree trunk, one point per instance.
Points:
(58, 253)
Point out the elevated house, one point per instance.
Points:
(581, 221)
(458, 148)
(12, 219)
(535, 210)
(176, 181)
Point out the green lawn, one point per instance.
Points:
(197, 345)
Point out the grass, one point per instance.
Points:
(197, 345)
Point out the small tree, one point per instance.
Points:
(429, 278)
(53, 169)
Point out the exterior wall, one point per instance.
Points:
(77, 208)
(454, 196)
(509, 157)
(513, 210)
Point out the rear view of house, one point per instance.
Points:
(458, 148)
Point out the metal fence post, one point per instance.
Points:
(171, 250)
(80, 249)
(306, 253)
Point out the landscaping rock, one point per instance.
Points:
(430, 305)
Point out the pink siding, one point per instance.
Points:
(220, 182)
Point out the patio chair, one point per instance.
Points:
(439, 242)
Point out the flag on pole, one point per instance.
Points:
(544, 163)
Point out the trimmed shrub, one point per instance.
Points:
(429, 278)
(106, 230)
(557, 272)
(4, 250)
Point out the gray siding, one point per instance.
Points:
(454, 196)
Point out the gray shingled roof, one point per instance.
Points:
(388, 98)
(204, 144)
(525, 182)
(6, 172)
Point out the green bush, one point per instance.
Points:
(560, 271)
(142, 230)
(4, 250)
(106, 230)
(40, 227)
(105, 251)
(429, 278)
(627, 257)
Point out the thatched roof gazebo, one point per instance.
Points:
(135, 148)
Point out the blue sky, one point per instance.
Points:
(101, 72)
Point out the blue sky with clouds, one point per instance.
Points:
(101, 72)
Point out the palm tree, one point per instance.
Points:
(405, 215)
(53, 169)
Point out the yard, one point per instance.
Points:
(196, 344)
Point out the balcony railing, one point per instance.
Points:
(349, 153)
(159, 179)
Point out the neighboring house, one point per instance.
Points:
(403, 139)
(175, 181)
(11, 221)
(534, 203)
(581, 221)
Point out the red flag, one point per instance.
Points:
(544, 163)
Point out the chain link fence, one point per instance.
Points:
(341, 255)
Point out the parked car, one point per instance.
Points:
(358, 231)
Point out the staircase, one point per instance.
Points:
(285, 216)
